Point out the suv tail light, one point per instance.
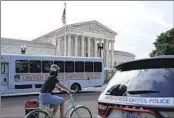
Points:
(102, 109)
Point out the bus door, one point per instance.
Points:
(4, 77)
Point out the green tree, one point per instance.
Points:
(164, 43)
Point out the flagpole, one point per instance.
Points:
(0, 81)
(65, 33)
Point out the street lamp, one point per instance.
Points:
(100, 47)
(23, 49)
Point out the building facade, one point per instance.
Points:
(86, 39)
(83, 39)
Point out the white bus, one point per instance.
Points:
(26, 73)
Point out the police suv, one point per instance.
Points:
(140, 89)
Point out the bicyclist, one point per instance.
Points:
(45, 96)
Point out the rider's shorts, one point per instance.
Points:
(47, 98)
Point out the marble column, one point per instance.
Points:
(112, 53)
(107, 52)
(95, 47)
(65, 46)
(82, 46)
(89, 46)
(76, 45)
(58, 46)
(56, 51)
(69, 45)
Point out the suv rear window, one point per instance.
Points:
(146, 78)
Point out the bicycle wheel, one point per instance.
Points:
(81, 112)
(38, 114)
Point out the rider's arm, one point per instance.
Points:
(62, 86)
(58, 88)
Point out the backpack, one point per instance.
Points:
(33, 103)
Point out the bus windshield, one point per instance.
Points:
(156, 82)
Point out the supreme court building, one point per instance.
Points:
(85, 39)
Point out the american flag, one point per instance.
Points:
(63, 17)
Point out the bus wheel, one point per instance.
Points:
(76, 87)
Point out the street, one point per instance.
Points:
(13, 107)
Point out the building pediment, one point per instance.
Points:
(84, 27)
(92, 26)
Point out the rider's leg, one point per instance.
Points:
(55, 108)
(62, 106)
(56, 100)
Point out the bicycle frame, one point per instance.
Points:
(69, 110)
(72, 106)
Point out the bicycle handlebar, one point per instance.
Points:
(71, 97)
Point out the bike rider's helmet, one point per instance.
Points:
(54, 70)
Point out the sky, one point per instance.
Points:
(138, 23)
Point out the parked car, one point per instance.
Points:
(140, 89)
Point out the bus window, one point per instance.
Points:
(79, 66)
(97, 67)
(60, 64)
(35, 66)
(88, 66)
(69, 66)
(2, 68)
(21, 66)
(46, 66)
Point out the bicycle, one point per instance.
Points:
(72, 110)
